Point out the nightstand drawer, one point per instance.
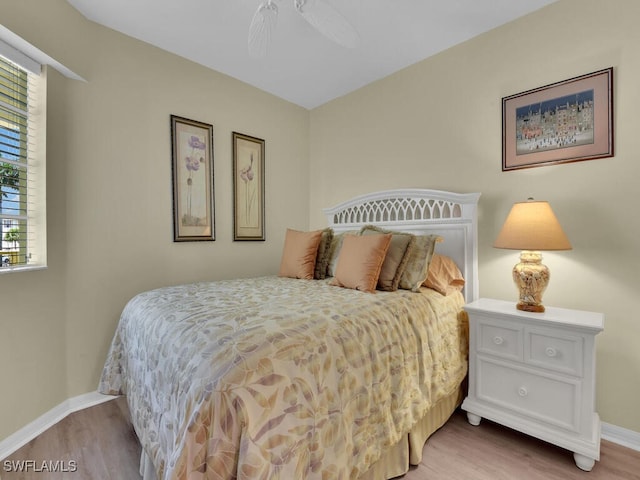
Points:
(554, 350)
(501, 339)
(549, 399)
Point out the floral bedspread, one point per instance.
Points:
(270, 377)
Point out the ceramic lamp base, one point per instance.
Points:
(531, 277)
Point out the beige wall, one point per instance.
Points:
(437, 124)
(109, 198)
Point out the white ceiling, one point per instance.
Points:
(302, 66)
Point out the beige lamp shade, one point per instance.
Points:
(532, 225)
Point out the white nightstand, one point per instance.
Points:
(535, 373)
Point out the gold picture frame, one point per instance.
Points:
(248, 188)
(192, 169)
(567, 121)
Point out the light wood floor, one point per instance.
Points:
(101, 441)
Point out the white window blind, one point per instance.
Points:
(22, 205)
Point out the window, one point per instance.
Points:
(22, 206)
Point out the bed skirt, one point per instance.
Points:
(397, 460)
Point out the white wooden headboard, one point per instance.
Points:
(453, 216)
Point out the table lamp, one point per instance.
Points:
(531, 226)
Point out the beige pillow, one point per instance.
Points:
(299, 254)
(395, 262)
(444, 275)
(417, 267)
(360, 261)
(334, 251)
(324, 250)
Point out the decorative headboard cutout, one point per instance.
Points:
(451, 215)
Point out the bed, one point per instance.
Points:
(305, 378)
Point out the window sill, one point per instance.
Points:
(24, 268)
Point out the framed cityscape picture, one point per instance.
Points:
(568, 121)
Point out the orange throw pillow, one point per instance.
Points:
(360, 261)
(444, 275)
(299, 254)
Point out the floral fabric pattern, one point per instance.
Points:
(279, 378)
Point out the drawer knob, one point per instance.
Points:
(551, 352)
(522, 391)
(498, 340)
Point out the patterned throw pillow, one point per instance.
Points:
(324, 252)
(417, 267)
(397, 257)
(334, 251)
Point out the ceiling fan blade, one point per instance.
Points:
(261, 28)
(328, 21)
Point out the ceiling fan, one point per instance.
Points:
(322, 16)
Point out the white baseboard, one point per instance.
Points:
(612, 433)
(621, 436)
(32, 430)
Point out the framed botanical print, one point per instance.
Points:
(192, 168)
(248, 187)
